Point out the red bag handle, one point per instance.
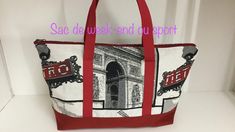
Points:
(149, 57)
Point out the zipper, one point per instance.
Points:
(44, 41)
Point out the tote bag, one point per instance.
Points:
(98, 85)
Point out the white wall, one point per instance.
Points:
(214, 70)
(5, 89)
(21, 22)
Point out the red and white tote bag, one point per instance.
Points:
(98, 85)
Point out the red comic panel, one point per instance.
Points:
(176, 76)
(174, 80)
(58, 70)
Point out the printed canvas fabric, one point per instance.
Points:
(118, 78)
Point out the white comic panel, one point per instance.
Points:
(122, 113)
(73, 109)
(68, 90)
(173, 68)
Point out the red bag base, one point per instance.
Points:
(65, 122)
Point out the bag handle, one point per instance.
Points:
(149, 57)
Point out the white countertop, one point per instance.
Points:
(197, 112)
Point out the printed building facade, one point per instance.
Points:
(118, 80)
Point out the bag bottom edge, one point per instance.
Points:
(65, 122)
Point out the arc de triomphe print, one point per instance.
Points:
(118, 80)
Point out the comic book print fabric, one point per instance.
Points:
(118, 78)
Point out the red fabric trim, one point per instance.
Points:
(149, 57)
(89, 47)
(174, 45)
(107, 44)
(65, 122)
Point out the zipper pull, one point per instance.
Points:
(40, 41)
